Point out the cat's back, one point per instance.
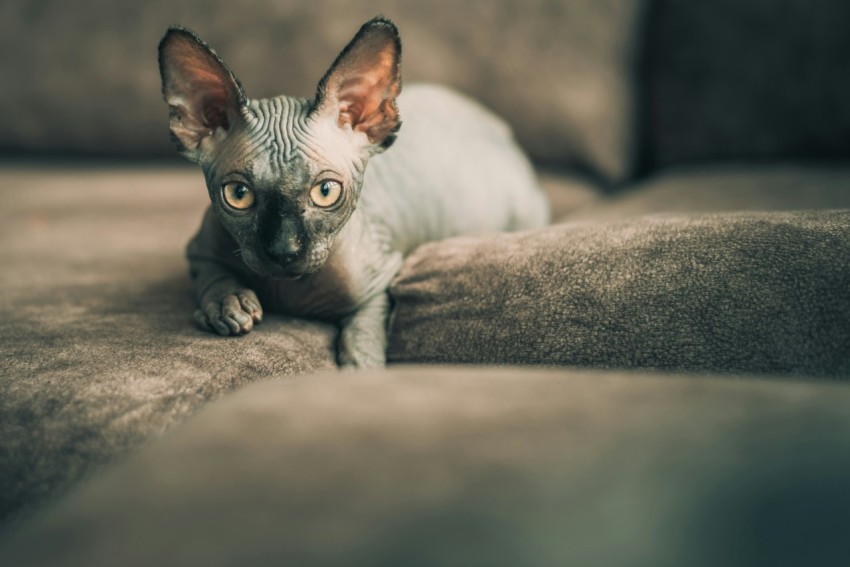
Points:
(454, 169)
(435, 111)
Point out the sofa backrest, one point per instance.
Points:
(735, 79)
(86, 78)
(588, 84)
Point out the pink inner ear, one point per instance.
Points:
(205, 94)
(213, 104)
(199, 85)
(366, 85)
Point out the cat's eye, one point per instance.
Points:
(238, 195)
(326, 193)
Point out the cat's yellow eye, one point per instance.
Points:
(238, 195)
(326, 193)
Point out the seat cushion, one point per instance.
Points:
(725, 187)
(475, 467)
(568, 193)
(559, 72)
(99, 349)
(755, 292)
(101, 353)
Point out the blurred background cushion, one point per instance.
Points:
(85, 79)
(568, 194)
(718, 187)
(475, 467)
(753, 292)
(747, 79)
(100, 352)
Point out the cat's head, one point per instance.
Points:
(284, 174)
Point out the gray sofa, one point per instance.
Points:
(690, 301)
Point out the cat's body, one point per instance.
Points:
(453, 169)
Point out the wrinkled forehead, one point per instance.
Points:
(273, 129)
(280, 139)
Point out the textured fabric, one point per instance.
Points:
(476, 467)
(86, 80)
(99, 349)
(747, 79)
(747, 293)
(718, 188)
(100, 352)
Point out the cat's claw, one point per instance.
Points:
(234, 314)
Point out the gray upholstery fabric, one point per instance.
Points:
(84, 77)
(715, 188)
(475, 467)
(747, 79)
(757, 292)
(100, 351)
(98, 345)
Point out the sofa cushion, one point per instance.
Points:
(747, 79)
(86, 79)
(475, 467)
(718, 188)
(758, 292)
(99, 349)
(567, 193)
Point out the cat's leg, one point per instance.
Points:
(225, 305)
(363, 335)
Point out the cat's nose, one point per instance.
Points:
(284, 250)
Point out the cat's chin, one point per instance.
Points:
(280, 273)
(299, 269)
(291, 277)
(277, 272)
(267, 268)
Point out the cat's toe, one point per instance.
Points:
(202, 321)
(250, 304)
(212, 312)
(225, 317)
(237, 320)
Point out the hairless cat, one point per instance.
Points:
(298, 220)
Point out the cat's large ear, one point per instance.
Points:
(204, 97)
(360, 89)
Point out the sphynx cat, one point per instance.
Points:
(308, 213)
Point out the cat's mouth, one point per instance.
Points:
(293, 269)
(286, 272)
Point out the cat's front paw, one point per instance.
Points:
(233, 314)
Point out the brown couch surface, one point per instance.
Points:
(100, 352)
(749, 292)
(476, 466)
(635, 107)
